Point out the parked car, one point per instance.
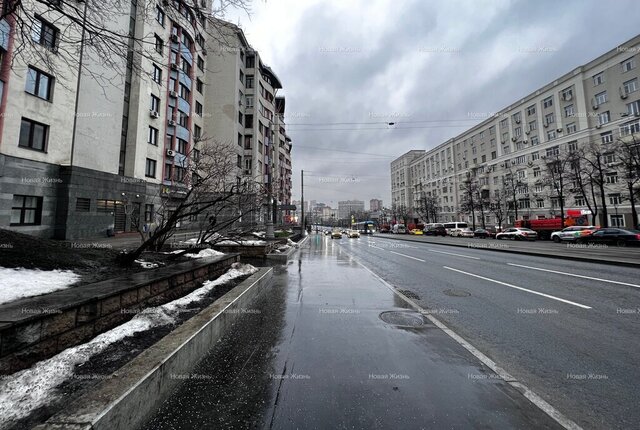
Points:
(517, 233)
(436, 231)
(399, 229)
(384, 229)
(353, 234)
(336, 234)
(416, 231)
(612, 236)
(493, 231)
(481, 233)
(453, 232)
(572, 233)
(465, 232)
(327, 232)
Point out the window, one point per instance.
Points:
(534, 141)
(240, 117)
(201, 63)
(553, 151)
(183, 119)
(616, 220)
(572, 146)
(633, 108)
(549, 118)
(603, 118)
(241, 76)
(159, 44)
(186, 68)
(630, 86)
(182, 146)
(537, 172)
(611, 178)
(601, 98)
(505, 136)
(249, 101)
(535, 156)
(551, 134)
(598, 79)
(629, 128)
(249, 81)
(484, 158)
(198, 109)
(45, 34)
(579, 201)
(494, 155)
(503, 123)
(531, 110)
(567, 94)
(609, 158)
(615, 199)
(26, 210)
(548, 102)
(160, 15)
(533, 125)
(538, 188)
(607, 137)
(199, 85)
(185, 40)
(628, 64)
(148, 213)
(168, 172)
(516, 117)
(33, 135)
(248, 121)
(569, 111)
(184, 92)
(239, 140)
(150, 168)
(155, 104)
(572, 128)
(251, 62)
(157, 74)
(539, 203)
(83, 204)
(521, 159)
(180, 174)
(39, 83)
(197, 132)
(248, 142)
(153, 136)
(517, 131)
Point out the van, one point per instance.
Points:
(448, 226)
(399, 229)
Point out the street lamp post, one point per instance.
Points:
(269, 225)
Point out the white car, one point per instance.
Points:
(353, 234)
(571, 233)
(465, 232)
(517, 233)
(454, 232)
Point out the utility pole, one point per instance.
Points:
(304, 232)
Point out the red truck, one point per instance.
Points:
(544, 227)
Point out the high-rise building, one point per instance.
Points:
(592, 108)
(347, 208)
(82, 150)
(375, 205)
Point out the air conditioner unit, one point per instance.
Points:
(247, 171)
(502, 165)
(599, 126)
(559, 130)
(545, 125)
(525, 141)
(594, 104)
(172, 123)
(204, 52)
(518, 121)
(623, 93)
(173, 93)
(624, 114)
(527, 132)
(174, 66)
(513, 139)
(513, 162)
(174, 37)
(154, 114)
(171, 153)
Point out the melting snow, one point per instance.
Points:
(19, 283)
(29, 389)
(147, 264)
(242, 242)
(205, 253)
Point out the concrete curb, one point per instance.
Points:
(535, 254)
(130, 396)
(283, 258)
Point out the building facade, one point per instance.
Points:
(81, 157)
(348, 207)
(591, 108)
(375, 205)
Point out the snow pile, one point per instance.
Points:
(208, 252)
(19, 283)
(147, 264)
(25, 391)
(242, 242)
(292, 243)
(259, 234)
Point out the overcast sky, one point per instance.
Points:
(370, 62)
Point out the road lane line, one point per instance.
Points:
(453, 253)
(373, 246)
(408, 256)
(520, 288)
(502, 373)
(573, 274)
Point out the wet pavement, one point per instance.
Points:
(330, 346)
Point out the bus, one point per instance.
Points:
(364, 227)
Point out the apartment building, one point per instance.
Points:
(598, 103)
(375, 205)
(80, 157)
(348, 207)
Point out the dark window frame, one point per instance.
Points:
(37, 219)
(38, 81)
(32, 124)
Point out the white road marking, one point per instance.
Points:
(408, 256)
(526, 391)
(520, 288)
(453, 253)
(577, 276)
(373, 246)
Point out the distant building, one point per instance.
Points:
(348, 207)
(375, 205)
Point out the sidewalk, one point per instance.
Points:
(331, 346)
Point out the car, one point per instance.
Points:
(436, 231)
(352, 234)
(493, 231)
(572, 233)
(453, 232)
(465, 232)
(327, 232)
(481, 233)
(517, 233)
(416, 231)
(336, 234)
(384, 229)
(399, 229)
(612, 236)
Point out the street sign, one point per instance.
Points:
(287, 207)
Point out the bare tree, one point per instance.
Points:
(427, 208)
(499, 206)
(582, 178)
(469, 203)
(594, 158)
(206, 193)
(628, 150)
(512, 184)
(558, 167)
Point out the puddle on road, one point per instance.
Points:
(456, 293)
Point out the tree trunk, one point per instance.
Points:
(632, 201)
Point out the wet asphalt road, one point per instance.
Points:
(314, 352)
(582, 361)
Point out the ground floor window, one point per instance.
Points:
(148, 213)
(616, 220)
(26, 210)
